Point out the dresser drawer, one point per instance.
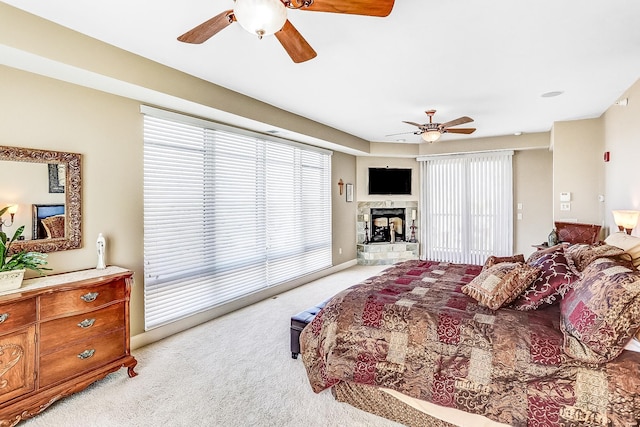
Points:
(80, 299)
(55, 334)
(81, 357)
(16, 314)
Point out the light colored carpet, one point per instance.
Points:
(236, 370)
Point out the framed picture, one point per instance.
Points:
(56, 178)
(349, 192)
(41, 212)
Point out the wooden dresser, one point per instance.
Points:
(60, 333)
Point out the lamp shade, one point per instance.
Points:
(261, 17)
(431, 135)
(626, 219)
(13, 209)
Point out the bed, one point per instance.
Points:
(541, 342)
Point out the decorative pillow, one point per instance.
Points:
(557, 274)
(602, 312)
(493, 260)
(630, 244)
(582, 254)
(500, 284)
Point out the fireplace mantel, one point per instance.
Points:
(386, 253)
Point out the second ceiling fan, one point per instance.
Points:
(431, 132)
(265, 17)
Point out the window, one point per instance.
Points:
(227, 214)
(467, 201)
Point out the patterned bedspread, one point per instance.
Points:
(413, 330)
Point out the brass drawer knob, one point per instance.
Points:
(91, 296)
(86, 354)
(3, 317)
(87, 323)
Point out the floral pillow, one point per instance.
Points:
(493, 260)
(557, 274)
(583, 254)
(500, 284)
(602, 312)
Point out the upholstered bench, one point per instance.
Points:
(298, 322)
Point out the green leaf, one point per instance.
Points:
(18, 233)
(27, 260)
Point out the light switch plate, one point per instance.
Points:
(565, 206)
(565, 197)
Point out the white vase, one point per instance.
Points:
(100, 247)
(10, 280)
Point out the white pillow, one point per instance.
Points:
(630, 244)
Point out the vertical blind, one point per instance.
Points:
(467, 203)
(227, 214)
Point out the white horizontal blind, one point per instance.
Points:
(226, 215)
(297, 212)
(467, 203)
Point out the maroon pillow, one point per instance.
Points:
(556, 276)
(601, 313)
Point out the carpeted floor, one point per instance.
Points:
(236, 370)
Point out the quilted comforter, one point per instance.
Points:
(411, 329)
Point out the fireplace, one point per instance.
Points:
(387, 225)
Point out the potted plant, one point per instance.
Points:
(13, 267)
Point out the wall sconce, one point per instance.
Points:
(626, 220)
(12, 209)
(341, 185)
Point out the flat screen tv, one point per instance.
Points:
(389, 181)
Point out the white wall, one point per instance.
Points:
(532, 183)
(621, 128)
(578, 169)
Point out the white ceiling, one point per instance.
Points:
(490, 60)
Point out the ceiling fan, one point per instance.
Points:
(266, 17)
(431, 132)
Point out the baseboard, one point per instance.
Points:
(148, 337)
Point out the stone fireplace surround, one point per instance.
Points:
(385, 253)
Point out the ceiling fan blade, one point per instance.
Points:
(460, 130)
(355, 7)
(456, 122)
(402, 133)
(208, 29)
(414, 124)
(295, 45)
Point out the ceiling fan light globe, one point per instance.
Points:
(261, 17)
(431, 135)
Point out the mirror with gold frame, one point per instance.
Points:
(58, 183)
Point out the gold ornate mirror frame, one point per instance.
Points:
(73, 196)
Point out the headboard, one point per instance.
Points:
(573, 232)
